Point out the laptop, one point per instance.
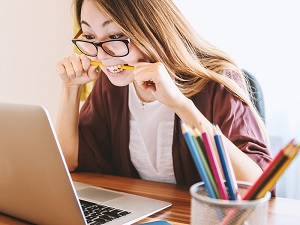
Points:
(36, 186)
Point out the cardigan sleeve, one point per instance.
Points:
(236, 121)
(94, 153)
(104, 131)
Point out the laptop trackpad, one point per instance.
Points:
(96, 194)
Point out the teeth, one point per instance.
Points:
(115, 69)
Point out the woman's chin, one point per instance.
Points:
(120, 79)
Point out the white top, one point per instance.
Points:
(151, 138)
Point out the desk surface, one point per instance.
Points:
(281, 210)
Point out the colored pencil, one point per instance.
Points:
(236, 216)
(94, 63)
(275, 164)
(231, 171)
(197, 161)
(213, 163)
(200, 141)
(291, 155)
(196, 135)
(288, 153)
(229, 175)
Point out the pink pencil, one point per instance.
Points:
(213, 164)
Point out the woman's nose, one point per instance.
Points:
(102, 55)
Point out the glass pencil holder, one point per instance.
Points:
(208, 211)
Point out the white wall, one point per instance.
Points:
(262, 36)
(34, 35)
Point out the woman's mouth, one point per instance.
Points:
(115, 69)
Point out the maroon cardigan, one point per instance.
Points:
(104, 131)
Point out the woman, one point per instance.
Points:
(129, 125)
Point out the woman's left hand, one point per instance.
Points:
(154, 76)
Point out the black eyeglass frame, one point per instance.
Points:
(99, 44)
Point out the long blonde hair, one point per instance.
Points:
(163, 34)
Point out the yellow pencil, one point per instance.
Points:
(291, 154)
(94, 63)
(127, 67)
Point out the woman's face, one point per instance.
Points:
(96, 27)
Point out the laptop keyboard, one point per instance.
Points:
(97, 214)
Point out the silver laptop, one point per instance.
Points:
(35, 184)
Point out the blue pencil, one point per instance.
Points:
(226, 165)
(196, 158)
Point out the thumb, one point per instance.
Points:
(94, 72)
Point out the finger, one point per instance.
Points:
(93, 72)
(64, 67)
(77, 66)
(145, 84)
(85, 61)
(145, 74)
(69, 68)
(140, 64)
(60, 68)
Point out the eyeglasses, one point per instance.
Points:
(115, 48)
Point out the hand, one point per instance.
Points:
(155, 77)
(75, 70)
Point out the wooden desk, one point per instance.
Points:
(281, 210)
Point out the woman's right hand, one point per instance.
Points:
(76, 70)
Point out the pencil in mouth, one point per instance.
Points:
(113, 68)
